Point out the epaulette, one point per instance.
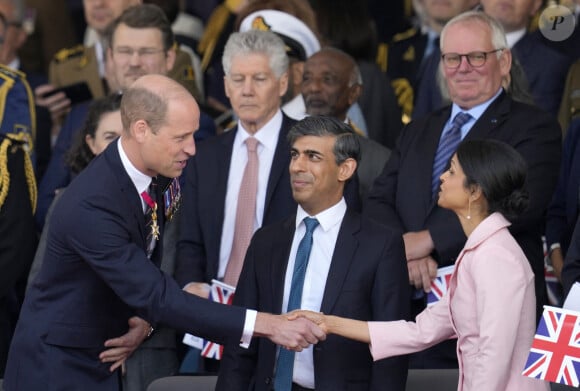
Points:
(405, 34)
(65, 54)
(11, 72)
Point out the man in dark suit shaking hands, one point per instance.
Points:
(100, 271)
(325, 257)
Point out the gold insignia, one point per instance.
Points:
(409, 54)
(405, 34)
(404, 93)
(260, 24)
(65, 54)
(188, 73)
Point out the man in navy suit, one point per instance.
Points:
(473, 65)
(256, 78)
(146, 28)
(101, 268)
(356, 268)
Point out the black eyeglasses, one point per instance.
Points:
(475, 59)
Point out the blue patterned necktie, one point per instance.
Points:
(447, 146)
(285, 364)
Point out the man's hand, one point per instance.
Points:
(200, 289)
(317, 318)
(122, 347)
(557, 262)
(293, 335)
(57, 104)
(421, 272)
(418, 244)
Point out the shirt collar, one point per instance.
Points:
(267, 138)
(327, 218)
(475, 111)
(513, 37)
(140, 180)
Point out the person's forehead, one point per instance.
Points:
(127, 35)
(257, 62)
(328, 61)
(468, 33)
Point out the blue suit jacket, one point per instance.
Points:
(401, 195)
(96, 275)
(367, 280)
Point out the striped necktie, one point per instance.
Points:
(447, 146)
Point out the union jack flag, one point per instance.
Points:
(555, 352)
(440, 284)
(224, 294)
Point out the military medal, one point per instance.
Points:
(172, 198)
(153, 205)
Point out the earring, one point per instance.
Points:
(468, 217)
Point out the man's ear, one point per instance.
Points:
(354, 93)
(346, 169)
(170, 57)
(139, 130)
(283, 84)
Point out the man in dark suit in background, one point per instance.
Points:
(100, 270)
(356, 268)
(405, 195)
(256, 78)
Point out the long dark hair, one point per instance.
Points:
(80, 155)
(500, 171)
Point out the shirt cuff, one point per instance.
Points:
(249, 325)
(553, 247)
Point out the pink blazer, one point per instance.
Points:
(490, 308)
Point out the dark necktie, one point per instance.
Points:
(151, 223)
(285, 364)
(447, 146)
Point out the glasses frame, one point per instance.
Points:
(467, 57)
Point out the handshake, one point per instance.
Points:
(295, 330)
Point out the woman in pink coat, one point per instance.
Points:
(490, 305)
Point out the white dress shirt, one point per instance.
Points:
(323, 244)
(268, 140)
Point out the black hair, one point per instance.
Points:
(500, 171)
(80, 155)
(346, 145)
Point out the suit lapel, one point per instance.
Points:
(281, 160)
(495, 115)
(342, 257)
(129, 195)
(279, 264)
(428, 144)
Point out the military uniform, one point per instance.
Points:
(404, 59)
(570, 107)
(77, 64)
(17, 198)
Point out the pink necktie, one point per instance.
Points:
(245, 212)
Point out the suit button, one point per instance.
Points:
(268, 380)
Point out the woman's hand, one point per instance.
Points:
(317, 318)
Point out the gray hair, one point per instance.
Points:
(356, 76)
(346, 145)
(498, 39)
(256, 41)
